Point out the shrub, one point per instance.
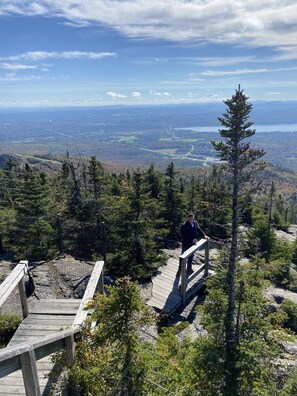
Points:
(8, 325)
(278, 272)
(291, 310)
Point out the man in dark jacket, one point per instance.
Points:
(190, 232)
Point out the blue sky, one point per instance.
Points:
(102, 52)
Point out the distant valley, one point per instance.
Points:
(144, 135)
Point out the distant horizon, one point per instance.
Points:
(139, 105)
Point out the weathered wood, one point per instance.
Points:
(16, 350)
(12, 280)
(182, 266)
(89, 293)
(40, 335)
(23, 297)
(56, 307)
(183, 258)
(11, 364)
(169, 292)
(206, 268)
(13, 384)
(30, 375)
(70, 350)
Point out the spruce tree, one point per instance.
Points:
(173, 202)
(241, 162)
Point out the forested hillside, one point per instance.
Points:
(127, 218)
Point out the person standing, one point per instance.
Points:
(190, 232)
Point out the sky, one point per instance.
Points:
(106, 52)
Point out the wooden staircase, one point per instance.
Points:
(48, 327)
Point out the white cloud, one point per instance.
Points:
(41, 55)
(275, 93)
(13, 77)
(212, 73)
(15, 66)
(162, 94)
(261, 23)
(115, 95)
(136, 94)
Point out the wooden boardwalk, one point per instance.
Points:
(48, 327)
(48, 317)
(166, 293)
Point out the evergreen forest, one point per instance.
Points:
(127, 218)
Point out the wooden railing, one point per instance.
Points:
(183, 261)
(25, 355)
(16, 278)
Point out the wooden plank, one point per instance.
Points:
(11, 364)
(172, 296)
(32, 342)
(23, 297)
(89, 293)
(62, 307)
(14, 385)
(193, 249)
(8, 285)
(36, 327)
(48, 321)
(30, 375)
(46, 318)
(169, 287)
(9, 352)
(169, 277)
(56, 311)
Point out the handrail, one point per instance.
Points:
(25, 355)
(96, 277)
(16, 277)
(182, 264)
(14, 352)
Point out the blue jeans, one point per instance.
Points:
(190, 258)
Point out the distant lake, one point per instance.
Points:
(258, 128)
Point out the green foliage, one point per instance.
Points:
(278, 272)
(174, 206)
(290, 309)
(108, 358)
(290, 386)
(168, 365)
(8, 325)
(258, 334)
(32, 214)
(294, 251)
(241, 162)
(260, 238)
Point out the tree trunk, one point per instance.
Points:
(231, 380)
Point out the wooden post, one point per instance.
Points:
(103, 231)
(30, 375)
(70, 350)
(182, 266)
(23, 297)
(101, 283)
(206, 258)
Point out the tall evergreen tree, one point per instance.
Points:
(173, 202)
(33, 235)
(241, 163)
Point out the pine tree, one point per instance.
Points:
(33, 234)
(241, 163)
(108, 358)
(173, 203)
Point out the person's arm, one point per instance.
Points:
(200, 233)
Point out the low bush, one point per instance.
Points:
(291, 310)
(8, 325)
